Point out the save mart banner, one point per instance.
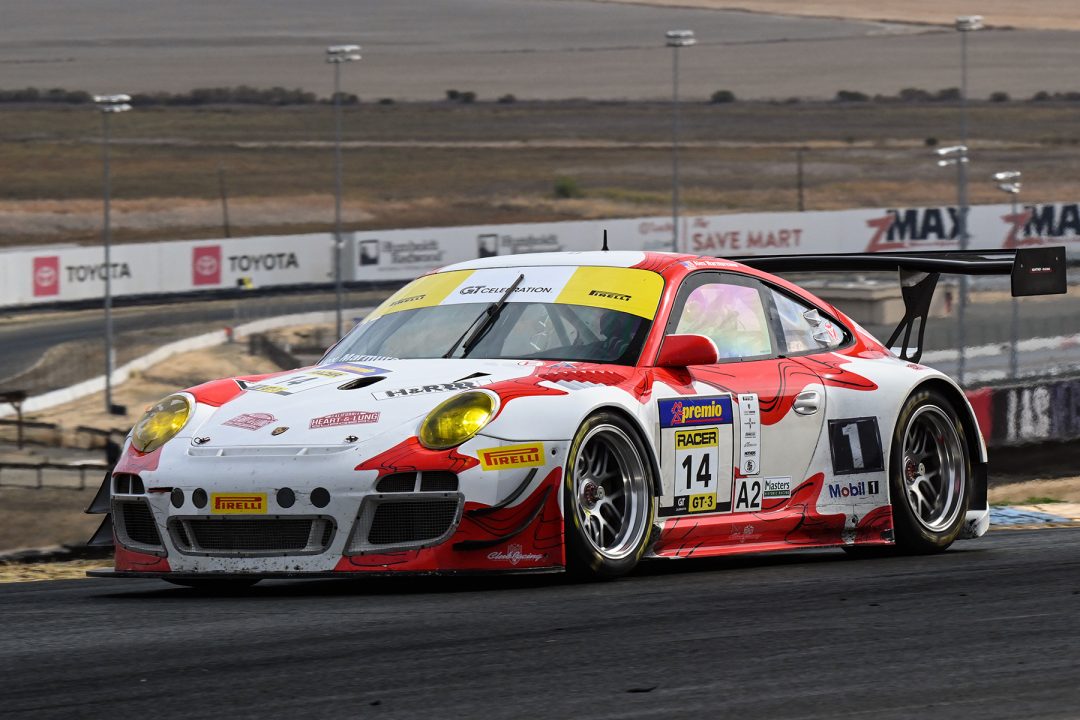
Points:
(57, 274)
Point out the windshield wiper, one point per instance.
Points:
(487, 319)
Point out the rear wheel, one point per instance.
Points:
(930, 474)
(608, 496)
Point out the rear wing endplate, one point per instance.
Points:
(1033, 271)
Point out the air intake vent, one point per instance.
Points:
(411, 521)
(430, 481)
(135, 527)
(252, 537)
(361, 382)
(406, 521)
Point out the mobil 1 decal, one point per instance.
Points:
(855, 444)
(749, 435)
(696, 450)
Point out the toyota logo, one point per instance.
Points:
(206, 265)
(45, 276)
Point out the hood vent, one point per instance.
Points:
(360, 383)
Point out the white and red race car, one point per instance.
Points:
(575, 411)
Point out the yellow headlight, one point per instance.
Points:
(456, 420)
(161, 423)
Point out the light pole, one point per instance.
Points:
(108, 104)
(964, 25)
(336, 55)
(958, 155)
(1008, 181)
(676, 39)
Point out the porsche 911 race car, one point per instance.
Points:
(576, 411)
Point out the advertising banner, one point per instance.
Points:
(57, 274)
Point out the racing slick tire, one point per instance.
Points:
(930, 474)
(609, 499)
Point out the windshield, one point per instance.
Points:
(554, 313)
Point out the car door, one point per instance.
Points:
(744, 429)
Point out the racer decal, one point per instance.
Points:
(512, 456)
(349, 417)
(410, 456)
(237, 503)
(855, 445)
(250, 421)
(749, 434)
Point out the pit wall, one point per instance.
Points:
(36, 276)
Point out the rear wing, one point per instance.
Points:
(1033, 271)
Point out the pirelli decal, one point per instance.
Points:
(512, 456)
(238, 503)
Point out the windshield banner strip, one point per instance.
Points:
(627, 290)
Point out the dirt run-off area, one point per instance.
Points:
(1031, 14)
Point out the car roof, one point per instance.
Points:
(592, 258)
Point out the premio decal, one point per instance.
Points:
(695, 411)
(512, 456)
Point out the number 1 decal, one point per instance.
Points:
(855, 444)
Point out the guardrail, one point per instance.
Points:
(37, 476)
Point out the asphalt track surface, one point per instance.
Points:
(535, 49)
(986, 630)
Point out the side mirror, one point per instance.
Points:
(679, 351)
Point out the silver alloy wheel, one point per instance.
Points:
(934, 468)
(611, 492)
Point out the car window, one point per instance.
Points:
(805, 329)
(732, 315)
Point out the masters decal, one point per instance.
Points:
(512, 456)
(238, 503)
(695, 411)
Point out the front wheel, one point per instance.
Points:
(608, 498)
(929, 475)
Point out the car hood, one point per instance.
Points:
(322, 405)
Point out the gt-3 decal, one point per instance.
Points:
(855, 444)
